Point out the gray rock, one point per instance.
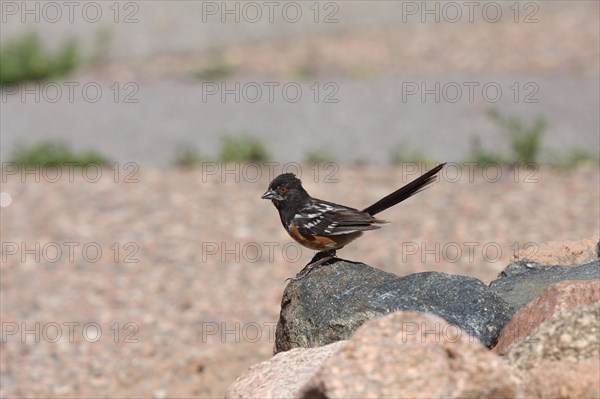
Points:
(523, 281)
(334, 300)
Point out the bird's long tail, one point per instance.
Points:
(404, 192)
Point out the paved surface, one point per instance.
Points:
(369, 120)
(370, 59)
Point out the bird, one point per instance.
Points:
(327, 226)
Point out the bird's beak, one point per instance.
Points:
(272, 195)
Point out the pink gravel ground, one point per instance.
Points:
(201, 264)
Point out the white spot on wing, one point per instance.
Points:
(324, 207)
(331, 226)
(315, 222)
(314, 215)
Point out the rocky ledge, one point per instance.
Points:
(349, 330)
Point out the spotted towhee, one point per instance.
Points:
(325, 226)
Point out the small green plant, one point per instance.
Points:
(363, 72)
(575, 157)
(317, 156)
(305, 71)
(23, 59)
(525, 142)
(526, 146)
(102, 42)
(308, 68)
(481, 156)
(216, 69)
(187, 156)
(243, 147)
(360, 161)
(404, 153)
(45, 153)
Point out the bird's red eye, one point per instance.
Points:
(282, 189)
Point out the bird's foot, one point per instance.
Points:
(319, 259)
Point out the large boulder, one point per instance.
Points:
(334, 300)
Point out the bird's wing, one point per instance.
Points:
(326, 218)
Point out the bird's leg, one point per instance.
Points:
(317, 260)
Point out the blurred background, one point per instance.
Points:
(149, 267)
(350, 80)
